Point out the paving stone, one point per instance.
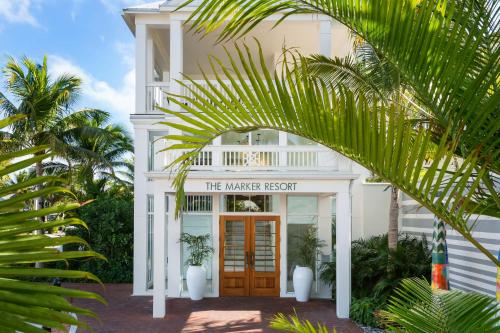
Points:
(126, 313)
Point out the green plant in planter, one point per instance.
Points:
(199, 248)
(309, 247)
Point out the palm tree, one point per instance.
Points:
(27, 306)
(430, 43)
(113, 147)
(372, 75)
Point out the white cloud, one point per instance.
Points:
(118, 101)
(18, 11)
(126, 52)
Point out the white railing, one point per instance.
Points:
(155, 96)
(252, 158)
(204, 85)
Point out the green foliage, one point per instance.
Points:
(22, 244)
(363, 310)
(293, 324)
(198, 247)
(110, 232)
(309, 247)
(416, 308)
(377, 271)
(447, 53)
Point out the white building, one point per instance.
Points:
(274, 183)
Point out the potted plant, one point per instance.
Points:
(199, 251)
(307, 250)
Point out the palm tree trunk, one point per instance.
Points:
(392, 234)
(38, 204)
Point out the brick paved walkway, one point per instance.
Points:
(226, 314)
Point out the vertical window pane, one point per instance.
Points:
(302, 205)
(302, 214)
(196, 220)
(235, 138)
(155, 144)
(295, 140)
(265, 137)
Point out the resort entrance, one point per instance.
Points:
(249, 263)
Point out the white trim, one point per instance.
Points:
(431, 216)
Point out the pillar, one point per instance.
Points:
(343, 254)
(159, 257)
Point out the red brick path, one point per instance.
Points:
(126, 313)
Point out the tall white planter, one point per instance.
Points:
(302, 283)
(196, 278)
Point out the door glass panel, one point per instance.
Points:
(265, 246)
(234, 246)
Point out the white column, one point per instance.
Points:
(176, 57)
(141, 36)
(150, 52)
(325, 37)
(174, 252)
(140, 210)
(159, 257)
(216, 202)
(343, 255)
(283, 244)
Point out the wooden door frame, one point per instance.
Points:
(249, 221)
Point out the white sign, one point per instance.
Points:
(242, 186)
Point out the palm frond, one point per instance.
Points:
(293, 324)
(415, 307)
(25, 305)
(379, 137)
(447, 51)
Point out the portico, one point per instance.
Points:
(326, 194)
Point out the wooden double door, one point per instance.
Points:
(249, 262)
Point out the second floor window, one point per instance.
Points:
(262, 137)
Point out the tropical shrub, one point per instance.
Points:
(110, 232)
(377, 271)
(363, 310)
(25, 305)
(416, 308)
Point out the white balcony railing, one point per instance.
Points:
(155, 92)
(155, 96)
(263, 158)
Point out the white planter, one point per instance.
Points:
(302, 283)
(196, 279)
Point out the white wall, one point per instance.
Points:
(376, 209)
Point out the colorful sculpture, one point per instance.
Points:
(498, 280)
(440, 279)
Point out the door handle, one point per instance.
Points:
(247, 259)
(252, 260)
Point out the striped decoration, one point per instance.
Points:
(439, 256)
(468, 269)
(498, 280)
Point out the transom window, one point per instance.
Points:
(263, 137)
(250, 203)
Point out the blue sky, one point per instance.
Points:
(83, 37)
